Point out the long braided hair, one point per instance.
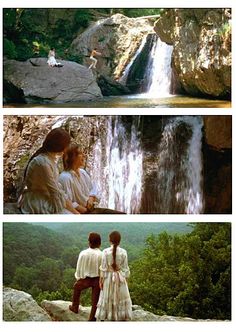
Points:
(114, 238)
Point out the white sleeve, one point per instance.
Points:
(67, 186)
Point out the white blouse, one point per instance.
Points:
(121, 262)
(88, 263)
(78, 187)
(43, 192)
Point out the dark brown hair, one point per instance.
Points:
(94, 240)
(70, 155)
(56, 141)
(114, 238)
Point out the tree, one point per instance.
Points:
(186, 275)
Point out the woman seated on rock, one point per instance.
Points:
(52, 60)
(77, 183)
(42, 192)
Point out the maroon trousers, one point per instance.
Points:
(82, 284)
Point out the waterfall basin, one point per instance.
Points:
(137, 101)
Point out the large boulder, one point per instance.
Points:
(202, 49)
(20, 306)
(33, 81)
(117, 38)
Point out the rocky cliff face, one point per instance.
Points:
(34, 82)
(117, 38)
(20, 306)
(202, 49)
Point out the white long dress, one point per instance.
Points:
(43, 192)
(114, 302)
(78, 187)
(52, 60)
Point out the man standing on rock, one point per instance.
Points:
(92, 57)
(87, 274)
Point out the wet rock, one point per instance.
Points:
(110, 87)
(35, 82)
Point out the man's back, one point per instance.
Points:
(88, 263)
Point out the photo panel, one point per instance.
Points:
(146, 164)
(165, 272)
(117, 57)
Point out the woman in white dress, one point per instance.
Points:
(77, 183)
(42, 192)
(114, 303)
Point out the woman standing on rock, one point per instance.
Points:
(42, 193)
(77, 183)
(114, 302)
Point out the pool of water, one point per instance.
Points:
(137, 101)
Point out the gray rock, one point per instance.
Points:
(117, 38)
(38, 83)
(59, 311)
(20, 306)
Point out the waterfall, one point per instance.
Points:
(159, 69)
(179, 167)
(125, 167)
(137, 172)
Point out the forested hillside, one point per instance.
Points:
(176, 269)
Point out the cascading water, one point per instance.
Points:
(135, 177)
(125, 167)
(159, 69)
(179, 167)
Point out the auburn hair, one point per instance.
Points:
(70, 155)
(114, 238)
(57, 140)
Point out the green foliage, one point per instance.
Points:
(9, 49)
(137, 12)
(186, 275)
(82, 18)
(24, 28)
(225, 29)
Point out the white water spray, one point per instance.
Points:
(159, 69)
(179, 167)
(125, 167)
